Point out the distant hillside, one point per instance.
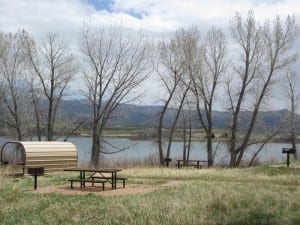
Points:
(147, 116)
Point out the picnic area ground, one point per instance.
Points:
(260, 195)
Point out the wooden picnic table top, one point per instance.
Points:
(191, 160)
(103, 170)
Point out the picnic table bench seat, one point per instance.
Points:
(83, 181)
(123, 179)
(189, 164)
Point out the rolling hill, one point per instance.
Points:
(147, 116)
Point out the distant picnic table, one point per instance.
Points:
(192, 162)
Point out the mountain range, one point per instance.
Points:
(147, 116)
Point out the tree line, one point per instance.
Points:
(243, 74)
(197, 71)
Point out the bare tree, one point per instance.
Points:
(187, 116)
(293, 97)
(53, 64)
(206, 63)
(13, 71)
(263, 52)
(179, 101)
(170, 72)
(37, 101)
(116, 65)
(198, 64)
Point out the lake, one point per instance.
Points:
(146, 151)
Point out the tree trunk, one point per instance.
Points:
(233, 155)
(293, 123)
(159, 141)
(184, 141)
(190, 141)
(96, 146)
(19, 133)
(173, 127)
(50, 131)
(160, 127)
(38, 127)
(209, 151)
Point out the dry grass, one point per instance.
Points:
(262, 195)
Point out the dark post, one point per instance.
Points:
(168, 160)
(35, 181)
(288, 151)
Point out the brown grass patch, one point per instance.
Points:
(130, 189)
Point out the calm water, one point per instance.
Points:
(140, 150)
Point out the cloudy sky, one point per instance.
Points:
(157, 17)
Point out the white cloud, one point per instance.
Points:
(158, 17)
(198, 12)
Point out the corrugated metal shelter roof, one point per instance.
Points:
(53, 156)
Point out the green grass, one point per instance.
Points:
(261, 195)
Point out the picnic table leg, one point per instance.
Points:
(82, 177)
(179, 165)
(114, 180)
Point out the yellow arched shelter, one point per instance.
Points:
(53, 156)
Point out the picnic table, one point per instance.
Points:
(192, 162)
(97, 176)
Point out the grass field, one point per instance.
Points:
(261, 195)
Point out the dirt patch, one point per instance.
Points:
(128, 190)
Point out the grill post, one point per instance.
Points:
(35, 172)
(288, 151)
